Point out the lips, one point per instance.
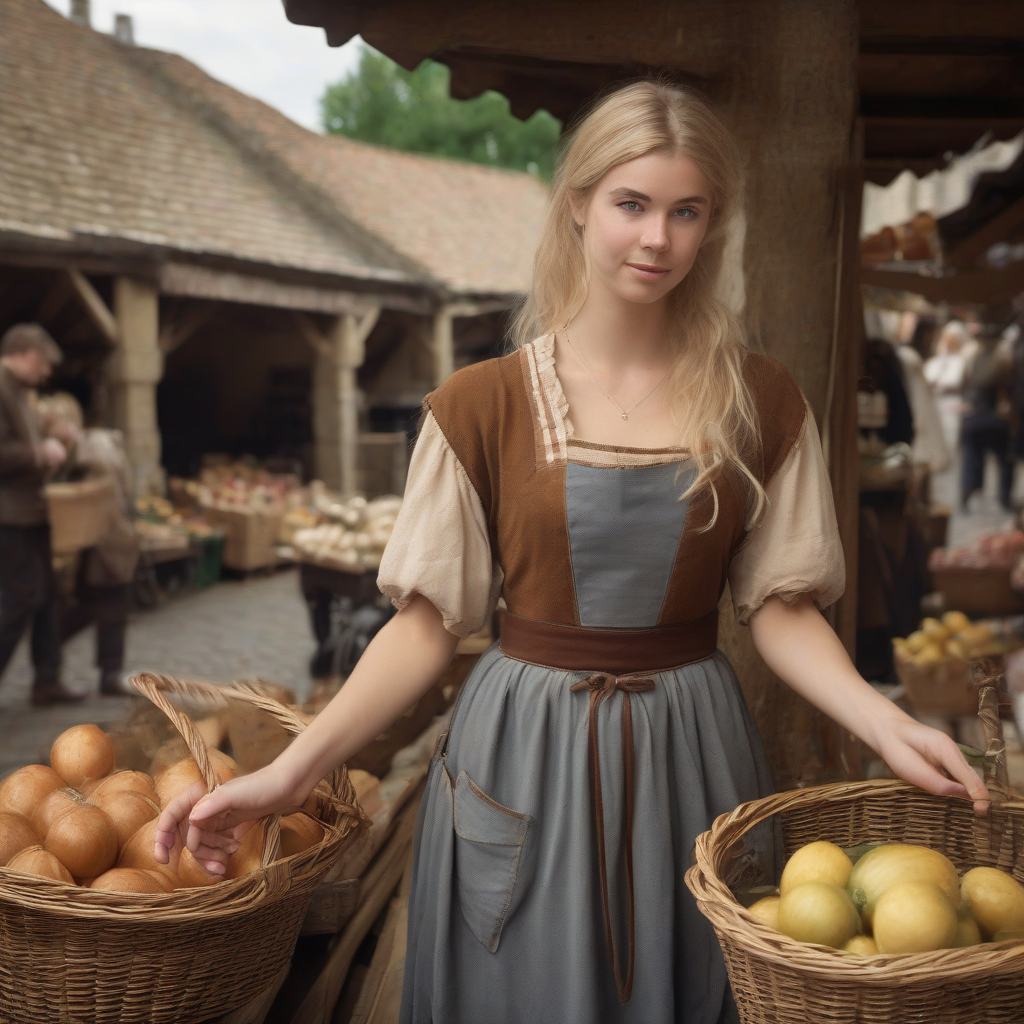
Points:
(649, 271)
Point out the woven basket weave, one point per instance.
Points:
(69, 954)
(779, 981)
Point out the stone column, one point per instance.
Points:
(135, 371)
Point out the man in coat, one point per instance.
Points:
(27, 592)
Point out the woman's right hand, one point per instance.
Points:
(217, 821)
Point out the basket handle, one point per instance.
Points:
(155, 688)
(988, 680)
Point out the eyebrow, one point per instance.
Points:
(632, 193)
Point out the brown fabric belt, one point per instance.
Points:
(642, 651)
(618, 651)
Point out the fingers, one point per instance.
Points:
(171, 818)
(953, 760)
(926, 754)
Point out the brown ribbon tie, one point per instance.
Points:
(602, 685)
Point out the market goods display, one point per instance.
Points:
(925, 874)
(355, 534)
(934, 663)
(993, 551)
(956, 637)
(93, 926)
(982, 578)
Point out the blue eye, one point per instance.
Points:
(687, 212)
(631, 205)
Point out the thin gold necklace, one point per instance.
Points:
(624, 413)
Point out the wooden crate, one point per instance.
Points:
(80, 513)
(976, 591)
(249, 536)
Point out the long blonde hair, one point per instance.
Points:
(717, 416)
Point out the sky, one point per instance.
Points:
(248, 44)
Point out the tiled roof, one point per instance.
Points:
(105, 139)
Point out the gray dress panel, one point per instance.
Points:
(506, 923)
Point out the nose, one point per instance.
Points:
(655, 235)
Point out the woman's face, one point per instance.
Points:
(643, 224)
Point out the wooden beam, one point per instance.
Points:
(227, 286)
(318, 341)
(174, 334)
(991, 286)
(930, 137)
(995, 230)
(56, 299)
(97, 309)
(366, 323)
(465, 309)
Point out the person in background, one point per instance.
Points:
(944, 372)
(27, 590)
(928, 447)
(986, 420)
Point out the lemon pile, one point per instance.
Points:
(896, 898)
(955, 636)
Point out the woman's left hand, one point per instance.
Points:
(920, 754)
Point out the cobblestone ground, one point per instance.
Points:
(234, 630)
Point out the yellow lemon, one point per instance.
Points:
(916, 642)
(767, 911)
(934, 630)
(818, 912)
(967, 932)
(893, 863)
(1010, 935)
(862, 945)
(914, 917)
(816, 862)
(955, 622)
(995, 899)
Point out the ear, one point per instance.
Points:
(578, 210)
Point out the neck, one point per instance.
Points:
(615, 333)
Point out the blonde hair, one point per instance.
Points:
(717, 416)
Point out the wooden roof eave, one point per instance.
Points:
(103, 255)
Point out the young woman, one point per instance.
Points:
(608, 479)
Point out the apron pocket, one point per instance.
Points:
(489, 844)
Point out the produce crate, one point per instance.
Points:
(250, 536)
(80, 512)
(777, 980)
(71, 954)
(978, 591)
(947, 688)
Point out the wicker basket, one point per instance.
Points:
(977, 591)
(69, 954)
(80, 513)
(250, 536)
(779, 981)
(943, 689)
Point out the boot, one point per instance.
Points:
(54, 693)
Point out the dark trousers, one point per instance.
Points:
(108, 607)
(28, 596)
(980, 435)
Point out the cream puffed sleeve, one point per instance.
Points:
(440, 546)
(794, 547)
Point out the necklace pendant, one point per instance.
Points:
(624, 416)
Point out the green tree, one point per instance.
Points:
(381, 102)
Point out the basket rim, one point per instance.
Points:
(736, 924)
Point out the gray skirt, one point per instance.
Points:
(506, 915)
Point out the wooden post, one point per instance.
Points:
(442, 345)
(336, 396)
(135, 371)
(792, 111)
